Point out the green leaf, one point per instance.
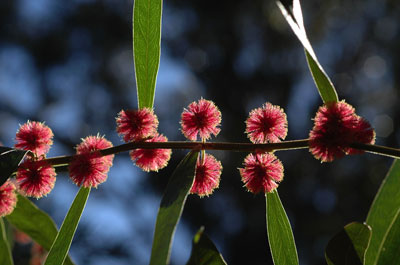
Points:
(171, 208)
(383, 214)
(5, 251)
(389, 253)
(349, 245)
(62, 243)
(280, 235)
(146, 48)
(9, 160)
(204, 252)
(28, 218)
(325, 87)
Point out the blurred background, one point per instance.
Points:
(69, 63)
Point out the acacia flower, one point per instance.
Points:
(151, 159)
(261, 172)
(136, 124)
(88, 168)
(200, 118)
(266, 124)
(208, 172)
(8, 198)
(336, 126)
(34, 136)
(35, 178)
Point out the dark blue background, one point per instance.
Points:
(69, 63)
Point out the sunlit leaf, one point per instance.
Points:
(280, 235)
(325, 87)
(59, 250)
(349, 245)
(171, 208)
(9, 160)
(146, 48)
(37, 224)
(5, 252)
(204, 252)
(383, 216)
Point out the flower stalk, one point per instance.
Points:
(226, 146)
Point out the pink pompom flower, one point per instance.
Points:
(261, 172)
(136, 124)
(151, 159)
(8, 198)
(88, 168)
(336, 126)
(35, 178)
(266, 124)
(208, 172)
(200, 118)
(34, 136)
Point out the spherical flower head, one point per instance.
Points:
(261, 172)
(336, 126)
(8, 198)
(34, 136)
(35, 178)
(208, 172)
(200, 118)
(151, 159)
(88, 168)
(136, 124)
(266, 124)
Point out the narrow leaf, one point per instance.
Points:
(146, 48)
(171, 208)
(204, 252)
(37, 224)
(383, 213)
(280, 235)
(5, 251)
(325, 87)
(389, 253)
(349, 245)
(62, 243)
(9, 160)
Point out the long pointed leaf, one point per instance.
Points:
(5, 252)
(204, 252)
(383, 212)
(9, 160)
(325, 87)
(171, 208)
(59, 249)
(37, 224)
(280, 235)
(389, 253)
(348, 247)
(146, 48)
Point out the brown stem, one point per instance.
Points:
(236, 147)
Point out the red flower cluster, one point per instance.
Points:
(152, 159)
(207, 176)
(336, 126)
(136, 124)
(88, 168)
(141, 125)
(34, 136)
(35, 177)
(8, 198)
(261, 172)
(266, 124)
(200, 118)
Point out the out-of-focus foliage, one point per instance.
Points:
(69, 63)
